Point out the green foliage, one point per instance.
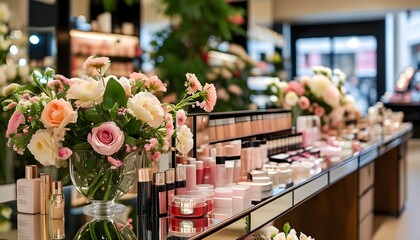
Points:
(114, 93)
(182, 47)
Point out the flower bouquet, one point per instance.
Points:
(323, 95)
(272, 233)
(102, 124)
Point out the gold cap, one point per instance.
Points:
(159, 178)
(31, 171)
(170, 175)
(145, 175)
(46, 178)
(56, 188)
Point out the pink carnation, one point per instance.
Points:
(192, 83)
(210, 97)
(153, 142)
(95, 62)
(15, 120)
(169, 130)
(64, 153)
(138, 76)
(181, 118)
(56, 83)
(319, 111)
(303, 103)
(295, 87)
(114, 162)
(154, 84)
(156, 156)
(63, 79)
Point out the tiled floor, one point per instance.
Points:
(407, 226)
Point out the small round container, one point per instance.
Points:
(188, 206)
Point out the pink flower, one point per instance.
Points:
(181, 118)
(15, 120)
(153, 142)
(95, 62)
(156, 156)
(210, 97)
(295, 87)
(115, 162)
(319, 111)
(303, 103)
(11, 105)
(106, 139)
(63, 79)
(56, 83)
(138, 76)
(331, 96)
(169, 130)
(154, 84)
(64, 153)
(192, 83)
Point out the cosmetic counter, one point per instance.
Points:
(248, 170)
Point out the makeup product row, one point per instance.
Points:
(283, 143)
(248, 125)
(40, 195)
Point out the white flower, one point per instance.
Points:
(184, 139)
(85, 92)
(340, 74)
(331, 96)
(269, 232)
(280, 236)
(304, 237)
(4, 12)
(146, 107)
(44, 147)
(292, 235)
(322, 70)
(319, 84)
(6, 212)
(291, 99)
(123, 81)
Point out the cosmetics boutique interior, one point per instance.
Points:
(222, 119)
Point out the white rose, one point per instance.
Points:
(184, 139)
(85, 92)
(269, 232)
(304, 237)
(125, 83)
(291, 98)
(4, 12)
(292, 235)
(44, 147)
(11, 72)
(147, 108)
(280, 236)
(318, 85)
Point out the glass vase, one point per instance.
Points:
(105, 229)
(96, 178)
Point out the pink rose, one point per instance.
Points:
(106, 139)
(15, 120)
(181, 118)
(58, 113)
(295, 87)
(115, 162)
(319, 111)
(332, 96)
(303, 103)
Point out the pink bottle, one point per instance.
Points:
(199, 171)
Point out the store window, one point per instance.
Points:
(355, 48)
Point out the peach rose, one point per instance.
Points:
(58, 113)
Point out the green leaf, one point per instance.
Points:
(130, 140)
(92, 115)
(133, 126)
(113, 112)
(114, 93)
(82, 146)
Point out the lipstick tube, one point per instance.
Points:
(199, 172)
(181, 182)
(190, 176)
(159, 203)
(144, 190)
(170, 185)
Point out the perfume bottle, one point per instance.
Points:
(28, 191)
(56, 211)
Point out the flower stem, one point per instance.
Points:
(108, 188)
(92, 185)
(108, 235)
(92, 230)
(98, 185)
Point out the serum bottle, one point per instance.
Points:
(28, 191)
(56, 211)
